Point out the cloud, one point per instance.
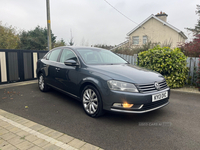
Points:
(94, 20)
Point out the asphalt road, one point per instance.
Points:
(179, 126)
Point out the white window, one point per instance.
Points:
(144, 39)
(135, 40)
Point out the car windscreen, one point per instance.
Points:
(99, 57)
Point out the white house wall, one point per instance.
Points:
(157, 32)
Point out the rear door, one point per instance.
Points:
(51, 67)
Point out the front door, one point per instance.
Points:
(66, 76)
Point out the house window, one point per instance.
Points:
(144, 39)
(135, 40)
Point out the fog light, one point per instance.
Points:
(127, 105)
(117, 104)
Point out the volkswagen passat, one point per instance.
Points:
(102, 80)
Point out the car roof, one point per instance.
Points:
(81, 47)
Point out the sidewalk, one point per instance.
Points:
(17, 133)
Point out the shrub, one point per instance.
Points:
(130, 50)
(171, 63)
(191, 48)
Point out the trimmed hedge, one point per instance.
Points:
(171, 63)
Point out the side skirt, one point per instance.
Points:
(67, 93)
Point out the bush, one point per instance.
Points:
(171, 63)
(130, 50)
(191, 48)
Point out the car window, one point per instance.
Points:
(54, 55)
(99, 56)
(66, 55)
(46, 56)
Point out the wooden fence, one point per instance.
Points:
(192, 64)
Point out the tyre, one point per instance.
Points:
(41, 84)
(91, 101)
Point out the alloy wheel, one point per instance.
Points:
(41, 82)
(90, 101)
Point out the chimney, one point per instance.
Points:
(162, 16)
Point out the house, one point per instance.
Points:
(154, 29)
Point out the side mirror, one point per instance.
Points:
(71, 62)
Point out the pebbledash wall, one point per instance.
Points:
(18, 65)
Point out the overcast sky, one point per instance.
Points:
(94, 21)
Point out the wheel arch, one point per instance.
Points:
(90, 81)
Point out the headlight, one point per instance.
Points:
(121, 86)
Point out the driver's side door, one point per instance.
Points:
(67, 75)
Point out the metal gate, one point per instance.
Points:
(18, 65)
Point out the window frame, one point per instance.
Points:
(144, 38)
(133, 38)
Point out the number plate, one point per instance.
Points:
(159, 96)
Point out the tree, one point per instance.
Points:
(35, 39)
(192, 48)
(60, 43)
(196, 29)
(8, 37)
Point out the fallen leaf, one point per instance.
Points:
(11, 98)
(4, 97)
(26, 106)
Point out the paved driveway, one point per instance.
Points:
(176, 126)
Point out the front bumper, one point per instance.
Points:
(142, 102)
(138, 111)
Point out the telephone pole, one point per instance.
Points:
(48, 25)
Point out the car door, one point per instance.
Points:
(66, 76)
(52, 64)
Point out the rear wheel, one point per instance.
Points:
(41, 83)
(91, 101)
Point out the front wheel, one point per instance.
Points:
(41, 83)
(91, 101)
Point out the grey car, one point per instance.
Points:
(102, 80)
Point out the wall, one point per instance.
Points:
(157, 32)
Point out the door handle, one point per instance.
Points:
(58, 69)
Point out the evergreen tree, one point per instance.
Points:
(196, 29)
(35, 39)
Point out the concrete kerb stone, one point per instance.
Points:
(187, 90)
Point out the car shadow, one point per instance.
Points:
(111, 117)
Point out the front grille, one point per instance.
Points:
(147, 88)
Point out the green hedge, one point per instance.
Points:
(171, 63)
